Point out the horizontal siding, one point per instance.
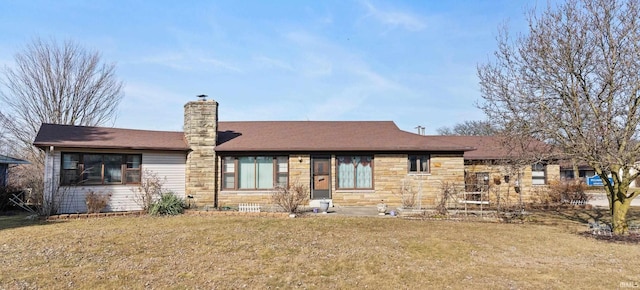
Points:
(170, 167)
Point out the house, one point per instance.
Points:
(226, 163)
(496, 166)
(5, 162)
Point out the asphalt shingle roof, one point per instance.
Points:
(108, 138)
(270, 136)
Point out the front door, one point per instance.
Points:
(321, 177)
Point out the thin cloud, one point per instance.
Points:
(273, 63)
(220, 64)
(171, 60)
(395, 19)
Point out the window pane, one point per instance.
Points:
(538, 174)
(363, 173)
(283, 164)
(229, 165)
(413, 163)
(265, 172)
(424, 163)
(134, 161)
(92, 168)
(70, 161)
(133, 175)
(246, 173)
(70, 176)
(228, 181)
(113, 168)
(283, 179)
(346, 172)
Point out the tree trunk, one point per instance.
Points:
(619, 208)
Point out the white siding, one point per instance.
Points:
(170, 167)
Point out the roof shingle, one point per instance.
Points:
(108, 138)
(325, 136)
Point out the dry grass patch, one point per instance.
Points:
(327, 252)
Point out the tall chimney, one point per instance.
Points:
(200, 132)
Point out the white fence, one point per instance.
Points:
(249, 207)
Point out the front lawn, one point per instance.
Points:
(315, 252)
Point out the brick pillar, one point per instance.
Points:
(200, 131)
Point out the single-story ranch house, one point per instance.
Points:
(219, 164)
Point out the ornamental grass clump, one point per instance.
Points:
(168, 204)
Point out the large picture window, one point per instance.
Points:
(98, 168)
(255, 172)
(355, 172)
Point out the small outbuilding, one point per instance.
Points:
(5, 162)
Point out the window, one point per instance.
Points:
(254, 172)
(476, 181)
(355, 172)
(418, 163)
(95, 168)
(70, 168)
(538, 174)
(132, 171)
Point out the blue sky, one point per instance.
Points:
(412, 62)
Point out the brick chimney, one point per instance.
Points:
(200, 131)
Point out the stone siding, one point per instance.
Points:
(390, 175)
(498, 186)
(200, 130)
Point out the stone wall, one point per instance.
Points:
(390, 174)
(200, 130)
(498, 185)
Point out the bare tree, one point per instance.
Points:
(470, 128)
(53, 83)
(59, 84)
(574, 82)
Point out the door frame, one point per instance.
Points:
(317, 194)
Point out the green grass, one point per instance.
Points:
(315, 252)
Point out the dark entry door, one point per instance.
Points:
(321, 177)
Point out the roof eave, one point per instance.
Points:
(71, 146)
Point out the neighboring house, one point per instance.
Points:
(226, 163)
(5, 161)
(491, 165)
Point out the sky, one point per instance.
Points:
(411, 62)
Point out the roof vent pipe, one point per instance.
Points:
(421, 130)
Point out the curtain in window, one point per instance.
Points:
(355, 172)
(345, 172)
(363, 173)
(246, 173)
(265, 172)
